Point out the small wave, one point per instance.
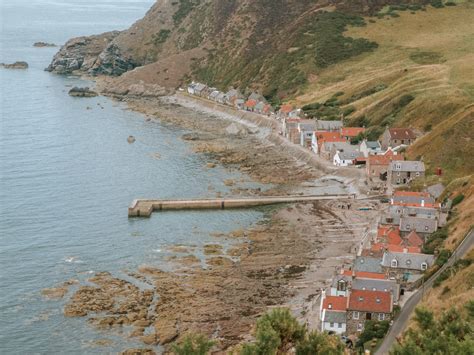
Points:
(73, 259)
(157, 250)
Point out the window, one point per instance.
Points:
(355, 315)
(331, 324)
(330, 306)
(398, 180)
(339, 325)
(378, 300)
(394, 263)
(424, 266)
(398, 173)
(359, 327)
(426, 228)
(381, 316)
(399, 166)
(418, 173)
(408, 227)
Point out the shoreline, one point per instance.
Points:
(281, 263)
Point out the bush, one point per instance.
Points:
(437, 3)
(450, 3)
(373, 330)
(443, 257)
(278, 331)
(193, 345)
(458, 199)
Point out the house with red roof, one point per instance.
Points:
(333, 313)
(321, 137)
(377, 165)
(394, 137)
(351, 132)
(366, 305)
(364, 274)
(249, 105)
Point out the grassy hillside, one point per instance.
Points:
(420, 75)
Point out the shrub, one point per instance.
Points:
(458, 199)
(193, 345)
(348, 110)
(450, 3)
(437, 3)
(443, 257)
(373, 330)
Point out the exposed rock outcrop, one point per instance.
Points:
(16, 65)
(43, 44)
(80, 53)
(82, 92)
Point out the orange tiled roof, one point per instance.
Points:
(364, 274)
(251, 103)
(413, 239)
(383, 159)
(411, 193)
(389, 235)
(335, 303)
(370, 301)
(351, 131)
(286, 108)
(402, 133)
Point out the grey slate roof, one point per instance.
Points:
(338, 278)
(335, 317)
(363, 263)
(347, 155)
(199, 87)
(411, 261)
(377, 285)
(418, 224)
(423, 212)
(323, 125)
(373, 144)
(435, 190)
(407, 165)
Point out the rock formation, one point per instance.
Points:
(82, 92)
(81, 53)
(16, 65)
(43, 44)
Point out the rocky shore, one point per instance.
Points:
(221, 293)
(82, 92)
(16, 65)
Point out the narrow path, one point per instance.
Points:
(401, 322)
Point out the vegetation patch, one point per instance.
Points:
(451, 333)
(184, 8)
(160, 37)
(424, 58)
(458, 266)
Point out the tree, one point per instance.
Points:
(320, 343)
(277, 332)
(193, 345)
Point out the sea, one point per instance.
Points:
(68, 174)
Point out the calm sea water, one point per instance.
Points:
(67, 175)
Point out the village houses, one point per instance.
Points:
(366, 305)
(394, 137)
(370, 148)
(402, 172)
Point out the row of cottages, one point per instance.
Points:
(254, 103)
(335, 145)
(380, 275)
(414, 212)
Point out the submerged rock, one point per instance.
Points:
(82, 92)
(16, 65)
(43, 44)
(131, 139)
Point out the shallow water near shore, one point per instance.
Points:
(67, 175)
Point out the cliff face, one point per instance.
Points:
(224, 42)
